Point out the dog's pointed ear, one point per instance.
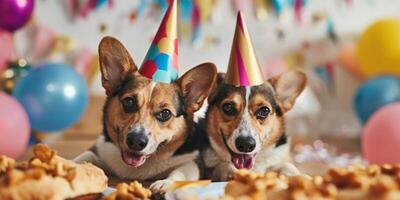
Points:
(115, 64)
(196, 85)
(288, 86)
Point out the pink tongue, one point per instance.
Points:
(243, 161)
(133, 159)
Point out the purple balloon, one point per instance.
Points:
(15, 13)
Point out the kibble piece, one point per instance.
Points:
(382, 185)
(6, 163)
(44, 153)
(13, 177)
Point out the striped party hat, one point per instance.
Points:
(243, 68)
(161, 61)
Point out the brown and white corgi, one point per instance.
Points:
(245, 119)
(246, 126)
(148, 125)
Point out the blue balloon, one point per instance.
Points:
(53, 95)
(376, 93)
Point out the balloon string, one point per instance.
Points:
(15, 54)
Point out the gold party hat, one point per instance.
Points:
(243, 68)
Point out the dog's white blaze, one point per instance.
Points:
(151, 145)
(152, 86)
(244, 128)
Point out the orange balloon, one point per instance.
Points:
(348, 59)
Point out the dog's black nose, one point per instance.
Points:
(137, 141)
(245, 144)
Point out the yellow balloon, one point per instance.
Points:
(378, 49)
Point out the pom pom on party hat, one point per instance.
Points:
(161, 61)
(243, 67)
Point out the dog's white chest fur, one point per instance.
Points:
(273, 158)
(109, 158)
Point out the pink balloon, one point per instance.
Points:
(381, 136)
(7, 50)
(14, 127)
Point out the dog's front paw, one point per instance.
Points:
(161, 186)
(223, 172)
(289, 169)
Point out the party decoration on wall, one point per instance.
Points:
(14, 126)
(193, 14)
(15, 13)
(82, 8)
(298, 10)
(381, 136)
(295, 59)
(275, 67)
(378, 49)
(44, 39)
(374, 94)
(62, 45)
(346, 56)
(281, 6)
(201, 13)
(161, 61)
(262, 7)
(15, 71)
(323, 73)
(243, 67)
(86, 63)
(53, 95)
(7, 50)
(330, 30)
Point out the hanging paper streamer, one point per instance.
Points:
(62, 45)
(262, 7)
(281, 6)
(349, 2)
(298, 6)
(195, 22)
(325, 72)
(185, 25)
(83, 7)
(330, 30)
(193, 13)
(43, 40)
(83, 61)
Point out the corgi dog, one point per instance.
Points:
(245, 121)
(246, 126)
(148, 126)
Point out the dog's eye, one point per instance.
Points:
(129, 104)
(229, 109)
(164, 115)
(262, 113)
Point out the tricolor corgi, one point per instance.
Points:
(148, 126)
(245, 121)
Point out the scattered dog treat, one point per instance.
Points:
(351, 182)
(131, 191)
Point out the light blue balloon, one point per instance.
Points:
(54, 96)
(374, 94)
